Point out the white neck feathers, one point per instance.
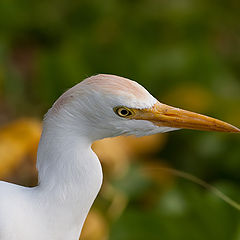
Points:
(70, 174)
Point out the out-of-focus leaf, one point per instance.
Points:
(16, 140)
(115, 153)
(95, 227)
(145, 145)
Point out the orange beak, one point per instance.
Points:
(167, 116)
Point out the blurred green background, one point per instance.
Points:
(185, 52)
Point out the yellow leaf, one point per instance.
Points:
(95, 227)
(16, 140)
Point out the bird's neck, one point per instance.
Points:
(70, 174)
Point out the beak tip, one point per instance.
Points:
(237, 130)
(234, 129)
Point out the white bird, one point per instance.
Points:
(70, 174)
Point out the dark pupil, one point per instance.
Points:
(124, 112)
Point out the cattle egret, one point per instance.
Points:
(70, 174)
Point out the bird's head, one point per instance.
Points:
(108, 106)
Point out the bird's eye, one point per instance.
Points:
(123, 111)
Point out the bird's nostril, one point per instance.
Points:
(170, 114)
